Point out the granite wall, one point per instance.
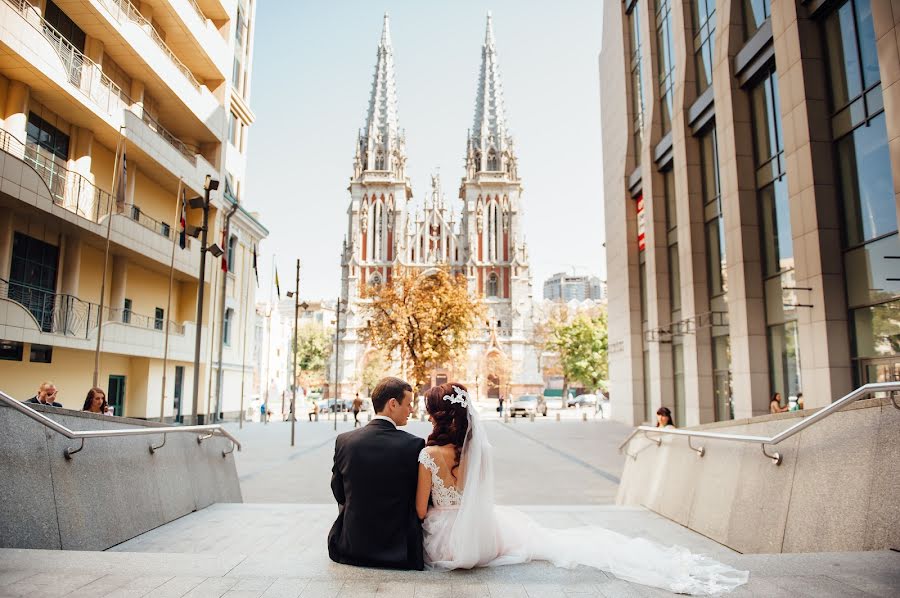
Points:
(111, 491)
(836, 489)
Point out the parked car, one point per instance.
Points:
(585, 400)
(335, 405)
(526, 405)
(554, 402)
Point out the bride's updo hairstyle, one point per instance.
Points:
(451, 423)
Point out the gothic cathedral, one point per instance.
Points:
(479, 236)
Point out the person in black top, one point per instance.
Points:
(46, 395)
(374, 483)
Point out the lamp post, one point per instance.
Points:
(337, 357)
(201, 203)
(297, 306)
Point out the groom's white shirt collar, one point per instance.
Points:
(386, 418)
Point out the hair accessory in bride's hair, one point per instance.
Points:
(459, 396)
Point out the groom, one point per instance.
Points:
(374, 482)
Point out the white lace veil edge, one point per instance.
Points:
(473, 537)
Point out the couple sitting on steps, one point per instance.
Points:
(404, 503)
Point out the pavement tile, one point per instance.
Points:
(507, 590)
(322, 589)
(10, 576)
(877, 584)
(400, 589)
(176, 587)
(541, 590)
(286, 587)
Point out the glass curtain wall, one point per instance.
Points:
(776, 240)
(716, 275)
(637, 86)
(866, 187)
(665, 60)
(704, 12)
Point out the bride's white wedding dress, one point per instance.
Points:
(465, 529)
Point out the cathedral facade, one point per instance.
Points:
(478, 235)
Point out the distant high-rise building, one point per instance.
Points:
(565, 287)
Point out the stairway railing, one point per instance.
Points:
(764, 441)
(203, 432)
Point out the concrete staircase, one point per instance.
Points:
(272, 550)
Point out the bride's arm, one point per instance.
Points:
(423, 491)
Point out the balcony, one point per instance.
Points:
(195, 37)
(49, 64)
(33, 179)
(28, 314)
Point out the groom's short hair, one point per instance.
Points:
(387, 389)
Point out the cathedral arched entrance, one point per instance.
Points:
(493, 386)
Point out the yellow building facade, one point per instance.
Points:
(111, 111)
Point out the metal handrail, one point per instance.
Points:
(861, 392)
(203, 432)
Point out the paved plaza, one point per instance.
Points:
(540, 462)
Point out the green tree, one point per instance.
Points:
(313, 352)
(582, 345)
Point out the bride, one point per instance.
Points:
(463, 528)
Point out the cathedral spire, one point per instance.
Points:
(489, 141)
(381, 143)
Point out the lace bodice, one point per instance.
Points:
(441, 494)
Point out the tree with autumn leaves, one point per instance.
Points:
(426, 319)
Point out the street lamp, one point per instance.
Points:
(337, 356)
(201, 203)
(297, 305)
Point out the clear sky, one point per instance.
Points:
(313, 66)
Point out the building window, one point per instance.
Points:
(704, 12)
(721, 350)
(232, 128)
(755, 14)
(492, 160)
(41, 354)
(776, 238)
(165, 229)
(666, 63)
(637, 85)
(712, 207)
(65, 26)
(32, 279)
(236, 73)
(672, 243)
(232, 250)
(678, 375)
(493, 285)
(10, 350)
(867, 190)
(159, 318)
(126, 313)
(226, 326)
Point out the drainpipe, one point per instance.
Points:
(219, 376)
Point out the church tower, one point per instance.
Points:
(497, 265)
(379, 190)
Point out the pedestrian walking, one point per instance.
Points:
(357, 406)
(500, 406)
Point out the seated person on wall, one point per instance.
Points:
(96, 402)
(775, 404)
(46, 395)
(664, 418)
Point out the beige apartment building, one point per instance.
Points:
(751, 153)
(110, 111)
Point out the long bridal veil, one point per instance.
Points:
(485, 535)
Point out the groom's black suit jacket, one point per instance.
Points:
(374, 482)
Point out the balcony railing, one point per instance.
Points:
(67, 315)
(124, 10)
(88, 78)
(71, 190)
(198, 11)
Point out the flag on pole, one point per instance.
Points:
(224, 250)
(255, 271)
(123, 176)
(182, 236)
(277, 286)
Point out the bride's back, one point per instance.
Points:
(449, 472)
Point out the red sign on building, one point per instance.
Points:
(642, 239)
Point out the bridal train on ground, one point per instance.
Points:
(464, 529)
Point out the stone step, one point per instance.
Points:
(275, 550)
